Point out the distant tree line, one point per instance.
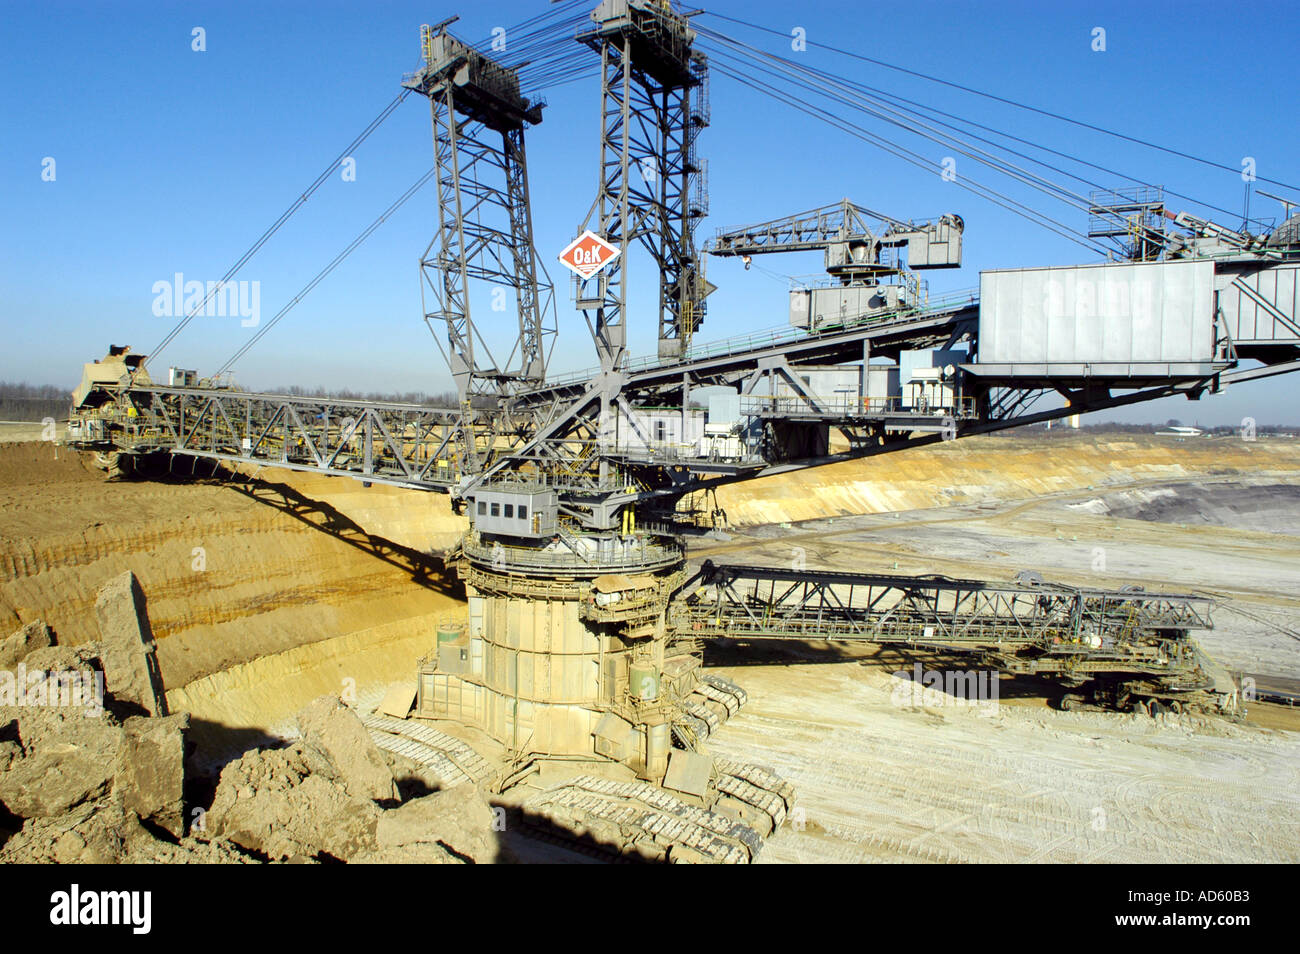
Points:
(29, 402)
(445, 399)
(1062, 429)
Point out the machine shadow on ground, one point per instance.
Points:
(428, 570)
(887, 659)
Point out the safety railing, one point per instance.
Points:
(627, 554)
(673, 453)
(708, 621)
(850, 405)
(772, 336)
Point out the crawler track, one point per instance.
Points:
(638, 819)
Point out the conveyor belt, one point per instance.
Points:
(753, 602)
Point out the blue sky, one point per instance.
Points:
(169, 160)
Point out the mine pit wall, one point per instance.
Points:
(275, 613)
(259, 698)
(421, 520)
(1005, 468)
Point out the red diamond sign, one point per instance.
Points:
(588, 254)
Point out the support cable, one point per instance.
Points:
(524, 42)
(284, 217)
(338, 259)
(921, 110)
(351, 247)
(965, 182)
(1002, 99)
(794, 73)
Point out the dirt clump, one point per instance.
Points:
(334, 730)
(332, 796)
(100, 790)
(324, 796)
(86, 778)
(458, 821)
(78, 783)
(35, 635)
(151, 771)
(57, 760)
(282, 804)
(128, 645)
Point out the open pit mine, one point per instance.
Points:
(833, 592)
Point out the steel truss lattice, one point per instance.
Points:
(652, 182)
(485, 230)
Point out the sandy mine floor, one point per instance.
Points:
(880, 782)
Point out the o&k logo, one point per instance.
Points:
(588, 254)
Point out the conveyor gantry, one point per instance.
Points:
(756, 602)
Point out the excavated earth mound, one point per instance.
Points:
(1266, 506)
(83, 781)
(1003, 468)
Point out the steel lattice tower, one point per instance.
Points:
(485, 230)
(652, 183)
